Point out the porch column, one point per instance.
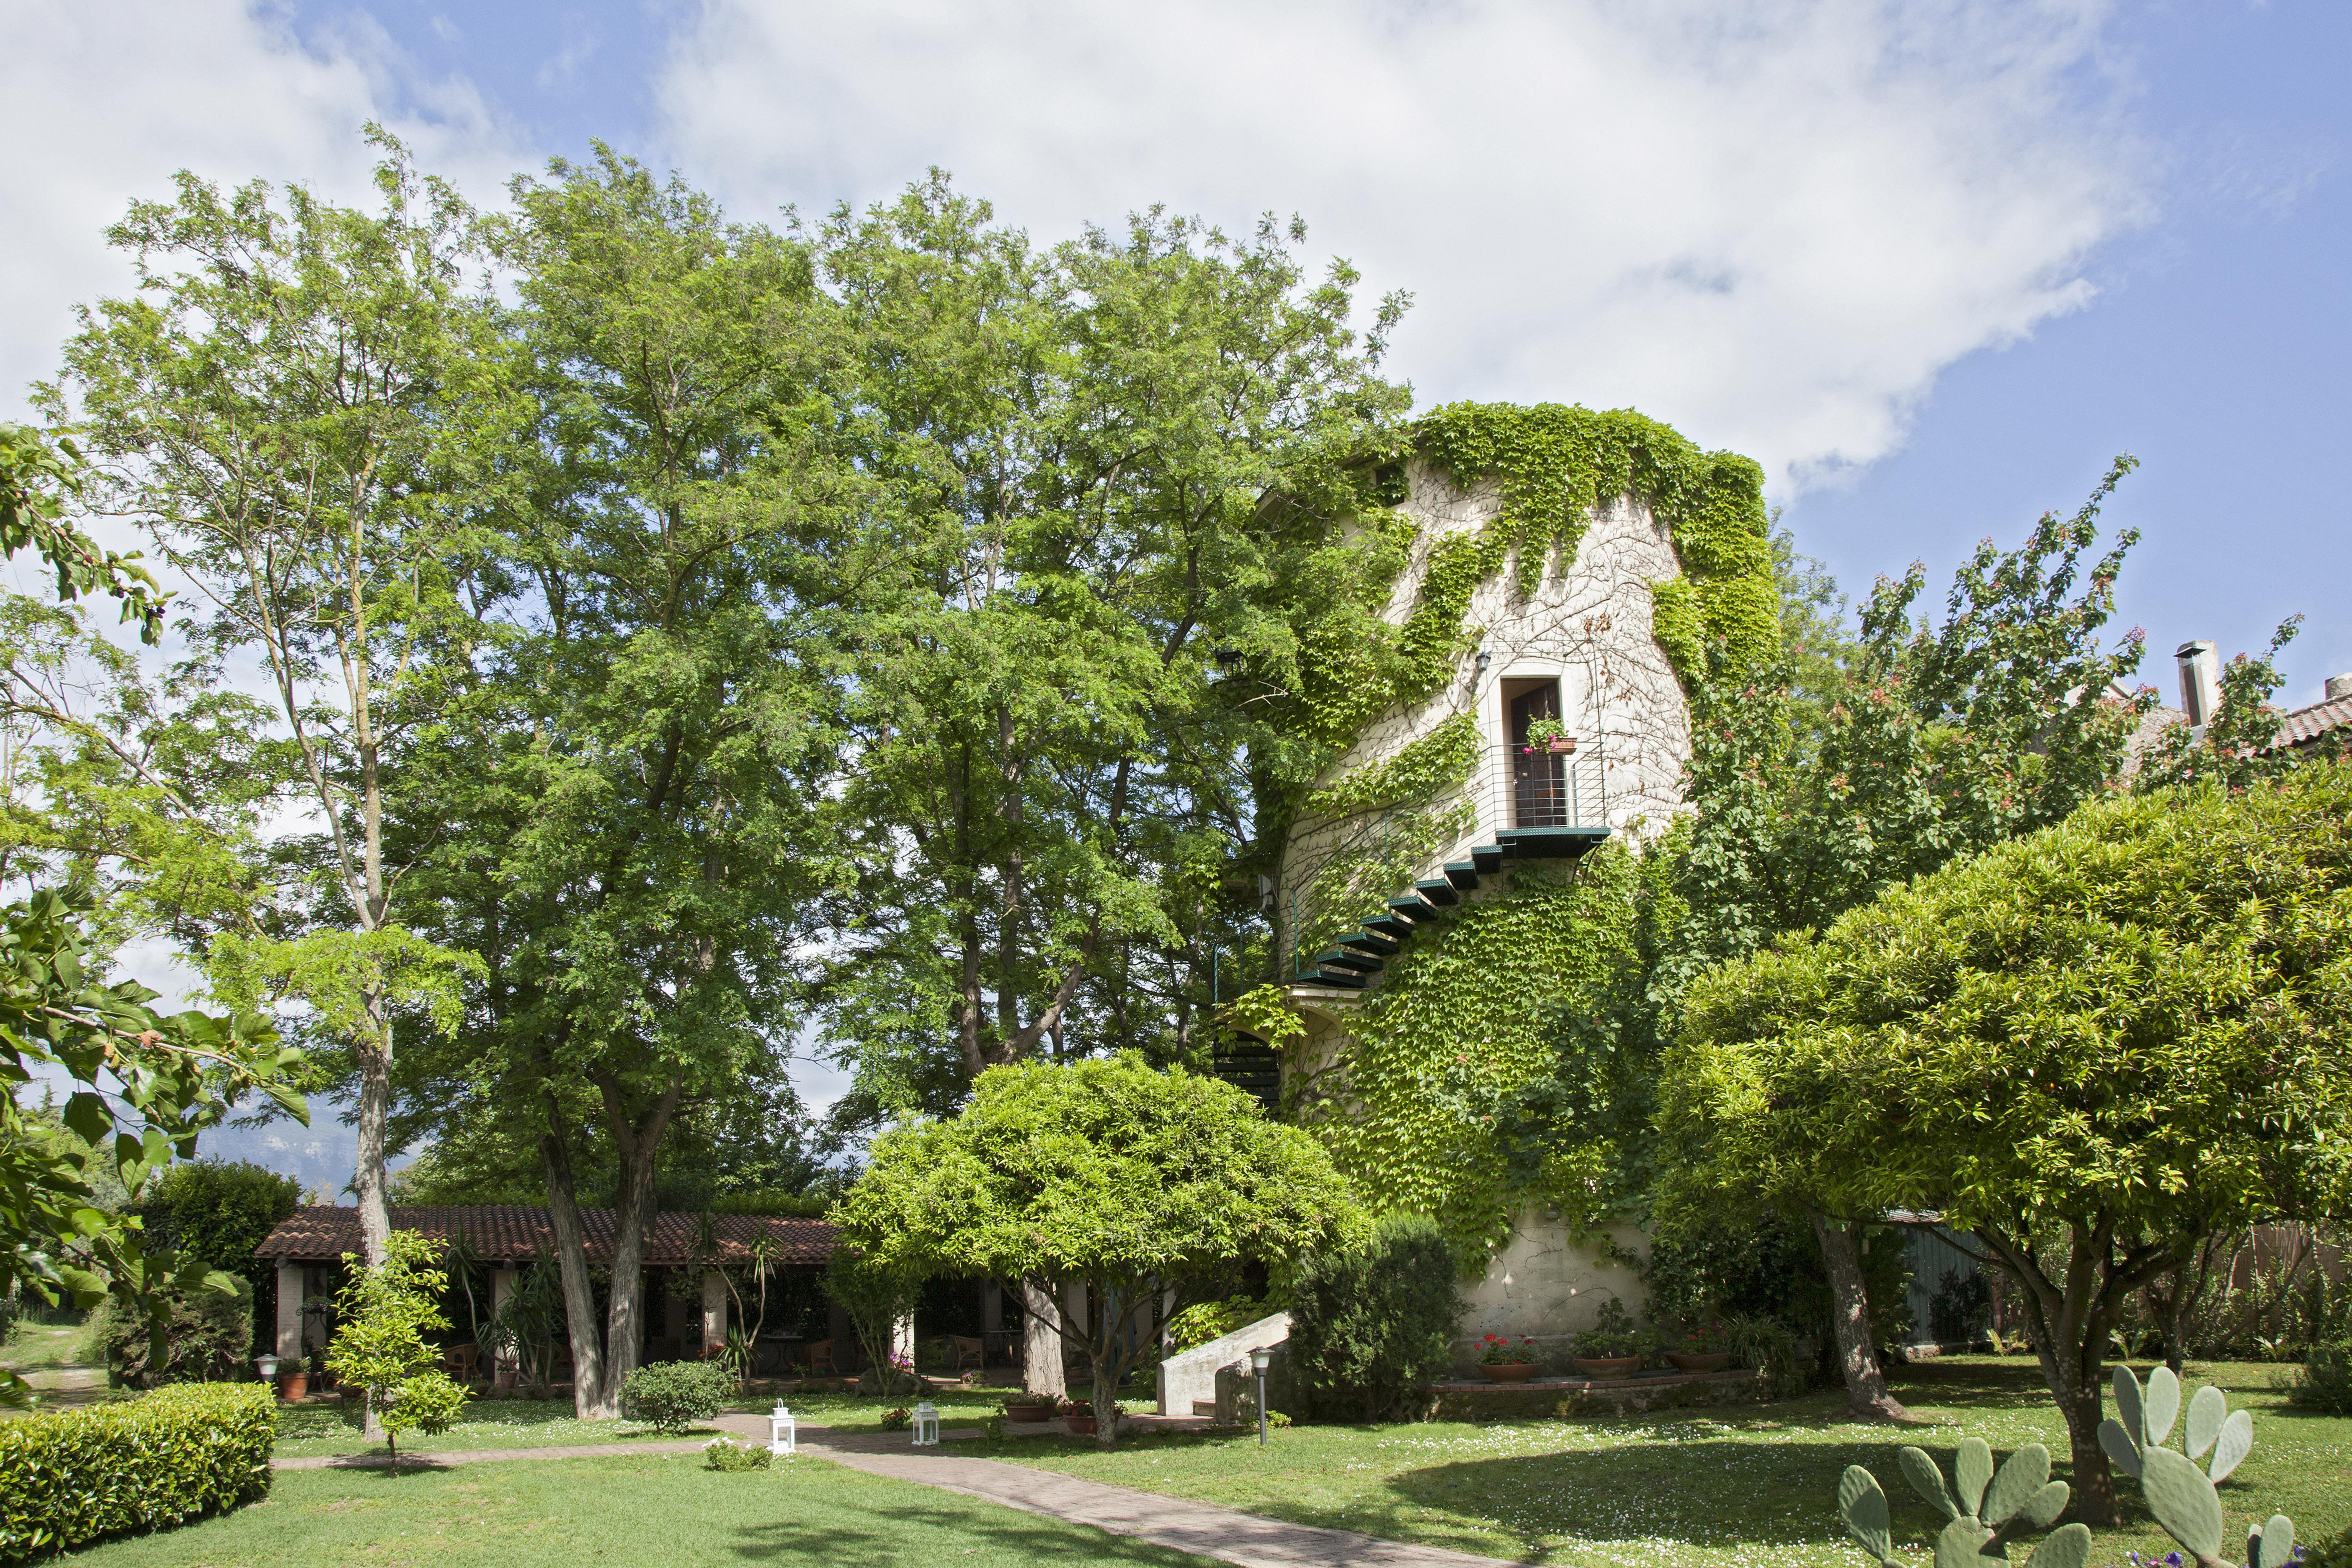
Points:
(504, 1365)
(714, 1308)
(902, 1339)
(290, 1277)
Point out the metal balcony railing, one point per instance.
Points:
(1522, 804)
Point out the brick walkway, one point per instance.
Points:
(1225, 1534)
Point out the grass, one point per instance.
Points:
(657, 1509)
(41, 1346)
(1697, 1488)
(309, 1429)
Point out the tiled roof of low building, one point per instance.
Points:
(505, 1233)
(2306, 725)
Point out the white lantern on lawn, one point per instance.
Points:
(780, 1431)
(927, 1424)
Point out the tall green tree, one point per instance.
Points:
(631, 824)
(2087, 1050)
(277, 407)
(144, 1085)
(1818, 789)
(1137, 1186)
(1118, 473)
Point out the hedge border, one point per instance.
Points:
(71, 1477)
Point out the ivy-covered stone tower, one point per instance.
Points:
(1460, 886)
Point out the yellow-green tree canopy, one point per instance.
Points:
(2111, 1037)
(1133, 1180)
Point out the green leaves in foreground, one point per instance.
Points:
(1983, 1510)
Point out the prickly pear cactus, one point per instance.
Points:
(2143, 1421)
(1982, 1510)
(2181, 1493)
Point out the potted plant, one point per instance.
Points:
(1079, 1417)
(1550, 735)
(1506, 1360)
(1613, 1346)
(1029, 1407)
(1702, 1349)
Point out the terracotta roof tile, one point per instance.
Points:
(512, 1233)
(2306, 725)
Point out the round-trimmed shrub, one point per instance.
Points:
(671, 1395)
(1370, 1326)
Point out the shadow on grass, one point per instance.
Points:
(854, 1536)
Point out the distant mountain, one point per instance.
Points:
(321, 1156)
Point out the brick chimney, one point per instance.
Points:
(2200, 681)
(2338, 687)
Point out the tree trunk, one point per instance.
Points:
(637, 1144)
(572, 1263)
(1041, 1341)
(1865, 1384)
(375, 1110)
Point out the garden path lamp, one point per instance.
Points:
(927, 1424)
(781, 1433)
(266, 1365)
(1259, 1359)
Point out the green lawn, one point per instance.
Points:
(311, 1429)
(658, 1509)
(1707, 1490)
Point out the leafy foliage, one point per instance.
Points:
(1370, 1325)
(207, 1333)
(71, 1477)
(145, 1086)
(2114, 1037)
(35, 478)
(672, 1395)
(1132, 1182)
(379, 1345)
(2239, 748)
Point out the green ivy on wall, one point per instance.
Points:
(1555, 464)
(1444, 756)
(1414, 1105)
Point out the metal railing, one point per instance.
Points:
(1522, 786)
(1510, 787)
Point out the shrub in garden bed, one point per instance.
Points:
(671, 1395)
(1370, 1325)
(70, 1477)
(719, 1453)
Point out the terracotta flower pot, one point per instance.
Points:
(1031, 1413)
(293, 1385)
(1564, 748)
(1507, 1371)
(1608, 1366)
(1079, 1426)
(1697, 1361)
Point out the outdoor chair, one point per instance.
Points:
(463, 1362)
(817, 1358)
(972, 1351)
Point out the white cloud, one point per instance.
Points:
(1771, 224)
(101, 100)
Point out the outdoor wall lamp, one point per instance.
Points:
(1485, 660)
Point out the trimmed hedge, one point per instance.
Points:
(70, 1477)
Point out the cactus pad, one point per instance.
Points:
(2183, 1502)
(2042, 1509)
(2231, 1449)
(2021, 1474)
(1864, 1507)
(2207, 1411)
(2129, 1406)
(1961, 1544)
(2067, 1548)
(2274, 1547)
(2162, 1404)
(2119, 1446)
(1927, 1480)
(1971, 1473)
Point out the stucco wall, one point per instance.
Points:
(1544, 1284)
